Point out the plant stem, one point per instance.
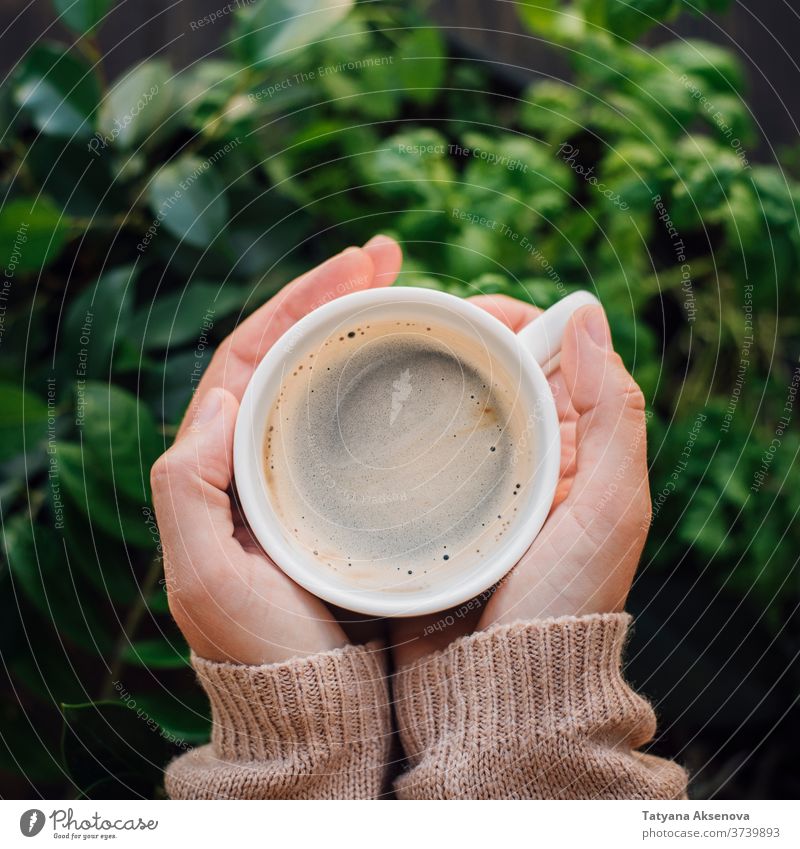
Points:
(91, 50)
(132, 622)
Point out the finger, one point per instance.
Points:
(513, 313)
(237, 357)
(516, 315)
(352, 270)
(568, 464)
(386, 257)
(609, 491)
(190, 483)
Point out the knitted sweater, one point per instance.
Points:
(531, 710)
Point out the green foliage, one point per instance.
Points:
(22, 415)
(630, 19)
(35, 230)
(161, 208)
(82, 15)
(138, 107)
(58, 91)
(190, 199)
(267, 32)
(110, 752)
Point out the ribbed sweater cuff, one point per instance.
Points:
(533, 709)
(323, 703)
(557, 670)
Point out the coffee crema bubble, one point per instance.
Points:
(396, 453)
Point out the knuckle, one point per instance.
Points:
(625, 387)
(634, 397)
(224, 349)
(630, 390)
(158, 472)
(164, 470)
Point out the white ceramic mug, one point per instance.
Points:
(529, 356)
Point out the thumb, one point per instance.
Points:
(610, 490)
(191, 479)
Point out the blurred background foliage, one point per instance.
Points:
(143, 216)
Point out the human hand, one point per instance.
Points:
(585, 556)
(227, 597)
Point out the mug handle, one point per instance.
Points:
(542, 337)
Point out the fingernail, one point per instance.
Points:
(377, 239)
(208, 407)
(596, 325)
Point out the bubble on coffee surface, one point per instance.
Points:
(393, 460)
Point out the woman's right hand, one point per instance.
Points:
(585, 556)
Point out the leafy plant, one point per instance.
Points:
(142, 219)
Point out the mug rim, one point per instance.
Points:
(267, 527)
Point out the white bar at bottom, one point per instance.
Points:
(394, 824)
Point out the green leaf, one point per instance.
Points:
(94, 495)
(41, 570)
(32, 232)
(541, 16)
(158, 601)
(22, 420)
(107, 740)
(551, 18)
(58, 91)
(120, 438)
(413, 165)
(551, 110)
(188, 197)
(716, 68)
(157, 654)
(96, 318)
(704, 526)
(82, 15)
(54, 163)
(170, 384)
(628, 168)
(774, 193)
(472, 252)
(183, 716)
(269, 31)
(106, 564)
(630, 19)
(186, 316)
(705, 171)
(420, 67)
(731, 119)
(138, 107)
(506, 174)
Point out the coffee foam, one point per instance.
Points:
(395, 454)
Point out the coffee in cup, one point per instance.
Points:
(397, 454)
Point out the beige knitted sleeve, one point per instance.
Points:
(531, 710)
(311, 728)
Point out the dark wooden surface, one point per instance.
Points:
(764, 32)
